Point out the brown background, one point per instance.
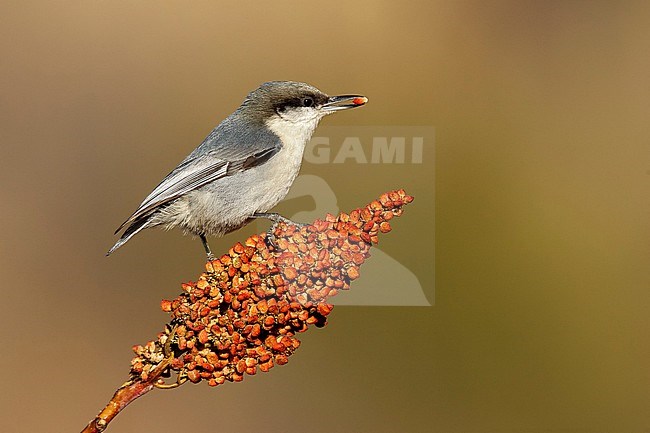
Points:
(541, 109)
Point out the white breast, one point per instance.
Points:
(283, 167)
(294, 137)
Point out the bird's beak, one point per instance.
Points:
(343, 102)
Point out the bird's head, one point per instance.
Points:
(289, 107)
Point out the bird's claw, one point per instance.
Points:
(270, 233)
(270, 236)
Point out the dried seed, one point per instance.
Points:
(358, 258)
(194, 376)
(353, 272)
(290, 273)
(277, 280)
(332, 234)
(166, 305)
(324, 309)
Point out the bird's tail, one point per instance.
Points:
(131, 231)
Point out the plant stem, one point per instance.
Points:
(124, 395)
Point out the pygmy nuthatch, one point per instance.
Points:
(243, 168)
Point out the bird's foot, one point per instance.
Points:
(270, 236)
(208, 252)
(277, 219)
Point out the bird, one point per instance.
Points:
(243, 168)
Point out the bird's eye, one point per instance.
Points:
(307, 102)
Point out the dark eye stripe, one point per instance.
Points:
(300, 102)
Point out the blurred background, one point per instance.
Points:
(542, 172)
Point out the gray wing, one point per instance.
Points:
(200, 169)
